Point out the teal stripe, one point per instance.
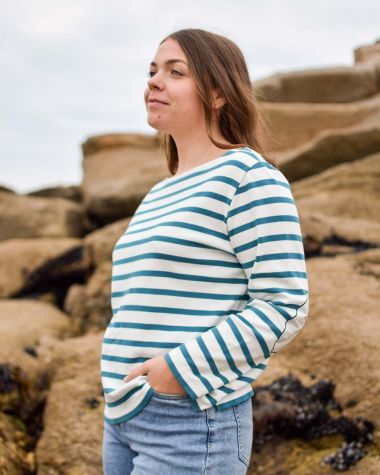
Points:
(210, 360)
(242, 343)
(125, 397)
(266, 220)
(120, 359)
(276, 290)
(194, 368)
(208, 194)
(192, 209)
(170, 257)
(173, 182)
(236, 401)
(131, 414)
(219, 178)
(278, 275)
(180, 293)
(142, 344)
(273, 257)
(173, 310)
(288, 305)
(226, 390)
(179, 378)
(269, 238)
(281, 255)
(261, 202)
(226, 352)
(151, 326)
(259, 183)
(211, 399)
(266, 320)
(112, 375)
(160, 238)
(276, 306)
(175, 275)
(181, 224)
(260, 339)
(263, 165)
(108, 390)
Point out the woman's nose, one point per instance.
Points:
(154, 82)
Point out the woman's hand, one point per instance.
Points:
(159, 375)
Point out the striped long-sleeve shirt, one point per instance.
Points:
(211, 274)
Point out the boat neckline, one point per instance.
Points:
(200, 166)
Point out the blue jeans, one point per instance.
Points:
(168, 437)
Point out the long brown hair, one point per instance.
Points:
(217, 62)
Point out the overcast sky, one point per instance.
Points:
(72, 69)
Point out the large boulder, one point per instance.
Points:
(33, 217)
(339, 343)
(13, 458)
(340, 206)
(368, 53)
(330, 148)
(71, 442)
(73, 193)
(30, 330)
(340, 84)
(89, 305)
(40, 265)
(118, 170)
(100, 243)
(295, 124)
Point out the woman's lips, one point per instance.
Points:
(156, 103)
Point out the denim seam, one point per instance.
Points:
(208, 413)
(240, 442)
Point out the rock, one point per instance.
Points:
(29, 216)
(4, 188)
(100, 243)
(330, 148)
(340, 84)
(73, 193)
(89, 305)
(118, 170)
(368, 53)
(340, 343)
(340, 206)
(24, 378)
(13, 458)
(73, 421)
(32, 265)
(297, 123)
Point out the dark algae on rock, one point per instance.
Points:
(286, 409)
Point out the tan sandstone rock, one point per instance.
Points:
(27, 263)
(73, 420)
(118, 170)
(341, 204)
(339, 342)
(25, 216)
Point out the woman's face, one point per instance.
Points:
(173, 84)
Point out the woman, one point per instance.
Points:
(208, 280)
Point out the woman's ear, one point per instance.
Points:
(218, 99)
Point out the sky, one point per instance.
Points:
(72, 69)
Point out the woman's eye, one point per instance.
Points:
(151, 73)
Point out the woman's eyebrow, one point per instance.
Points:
(170, 61)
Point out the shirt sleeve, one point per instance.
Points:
(264, 230)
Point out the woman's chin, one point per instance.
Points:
(156, 124)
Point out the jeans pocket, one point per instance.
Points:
(168, 396)
(244, 427)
